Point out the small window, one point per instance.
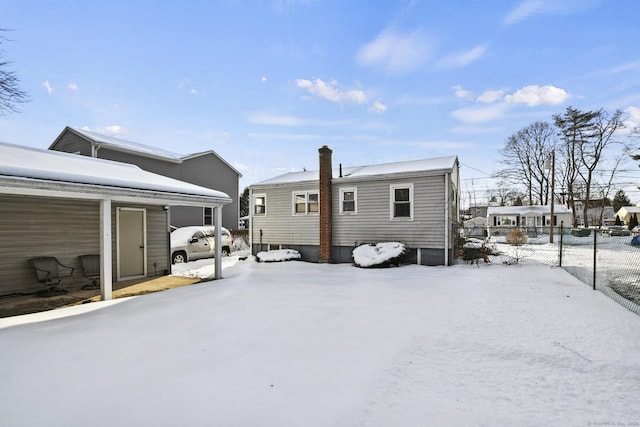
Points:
(348, 201)
(401, 202)
(207, 216)
(260, 204)
(306, 203)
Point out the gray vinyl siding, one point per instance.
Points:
(279, 225)
(373, 223)
(32, 226)
(206, 170)
(72, 143)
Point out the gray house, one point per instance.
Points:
(324, 214)
(206, 169)
(64, 205)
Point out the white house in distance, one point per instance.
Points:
(626, 212)
(325, 214)
(532, 219)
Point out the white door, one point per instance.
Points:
(131, 242)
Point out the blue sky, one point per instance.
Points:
(266, 83)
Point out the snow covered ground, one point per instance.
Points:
(294, 343)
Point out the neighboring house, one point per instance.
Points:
(599, 212)
(626, 212)
(206, 169)
(476, 227)
(64, 205)
(532, 219)
(325, 214)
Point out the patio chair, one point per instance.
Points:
(50, 272)
(91, 270)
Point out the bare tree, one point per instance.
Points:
(523, 160)
(10, 92)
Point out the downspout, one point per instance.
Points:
(251, 208)
(94, 149)
(446, 219)
(168, 230)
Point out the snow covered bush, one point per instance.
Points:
(278, 255)
(380, 255)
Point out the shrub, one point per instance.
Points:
(516, 237)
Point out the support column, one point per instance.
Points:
(106, 277)
(217, 214)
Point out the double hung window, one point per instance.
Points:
(260, 204)
(348, 201)
(306, 203)
(401, 198)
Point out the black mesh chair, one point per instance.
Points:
(91, 270)
(50, 272)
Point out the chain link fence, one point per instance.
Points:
(610, 264)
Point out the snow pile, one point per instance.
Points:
(278, 255)
(378, 255)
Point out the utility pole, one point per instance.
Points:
(553, 195)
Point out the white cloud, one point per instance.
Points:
(529, 8)
(263, 79)
(461, 93)
(193, 92)
(332, 92)
(463, 59)
(524, 10)
(47, 86)
(73, 86)
(378, 108)
(538, 95)
(395, 53)
(490, 96)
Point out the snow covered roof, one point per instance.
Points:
(126, 146)
(410, 166)
(54, 166)
(527, 210)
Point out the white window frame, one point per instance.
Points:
(392, 202)
(353, 190)
(306, 202)
(253, 204)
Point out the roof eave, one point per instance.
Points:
(72, 190)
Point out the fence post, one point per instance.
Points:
(561, 238)
(595, 244)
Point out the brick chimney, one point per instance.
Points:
(326, 241)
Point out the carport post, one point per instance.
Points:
(217, 212)
(106, 284)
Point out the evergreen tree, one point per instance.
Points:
(618, 222)
(633, 221)
(244, 202)
(620, 200)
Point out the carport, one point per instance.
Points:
(105, 190)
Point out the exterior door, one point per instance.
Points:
(131, 242)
